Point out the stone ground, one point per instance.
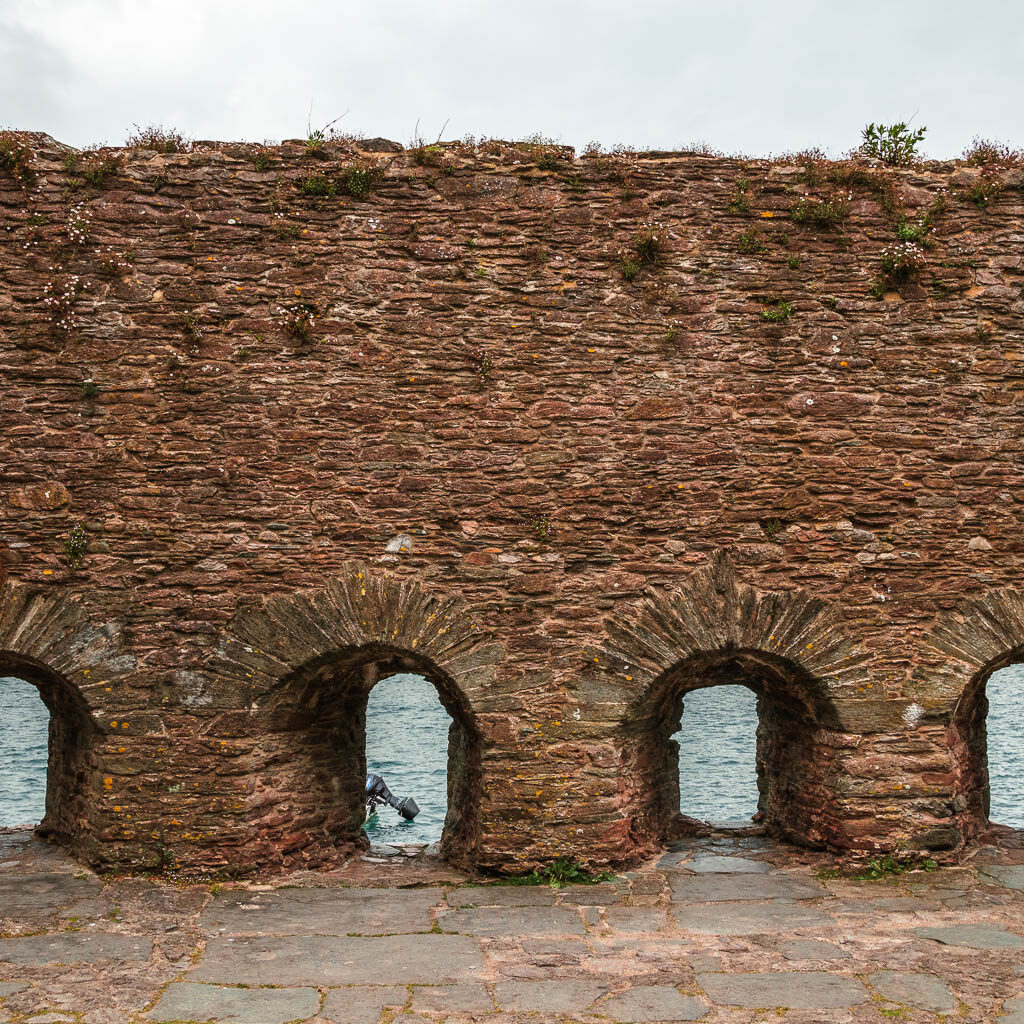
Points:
(728, 928)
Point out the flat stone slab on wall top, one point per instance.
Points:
(320, 911)
(472, 998)
(796, 990)
(24, 896)
(500, 922)
(652, 1003)
(566, 995)
(336, 960)
(1009, 876)
(749, 918)
(183, 1001)
(714, 888)
(75, 948)
(923, 991)
(812, 949)
(502, 896)
(709, 863)
(359, 1004)
(973, 936)
(1014, 1010)
(636, 919)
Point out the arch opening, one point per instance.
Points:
(988, 749)
(793, 759)
(407, 741)
(50, 750)
(717, 740)
(318, 761)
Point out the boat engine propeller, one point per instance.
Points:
(377, 792)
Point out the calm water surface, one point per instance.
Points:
(407, 743)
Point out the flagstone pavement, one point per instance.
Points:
(730, 928)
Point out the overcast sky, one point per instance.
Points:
(744, 76)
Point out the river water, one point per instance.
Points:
(407, 743)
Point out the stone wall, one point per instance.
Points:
(569, 435)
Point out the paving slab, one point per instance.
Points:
(320, 911)
(1009, 876)
(712, 888)
(503, 922)
(796, 990)
(472, 998)
(502, 896)
(652, 1003)
(749, 918)
(185, 1001)
(922, 991)
(359, 1004)
(716, 865)
(1014, 1010)
(636, 919)
(30, 898)
(75, 948)
(335, 960)
(602, 895)
(973, 936)
(812, 949)
(566, 995)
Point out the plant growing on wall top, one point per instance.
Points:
(893, 144)
(158, 138)
(15, 157)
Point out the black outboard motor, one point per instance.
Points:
(377, 792)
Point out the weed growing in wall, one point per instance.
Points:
(482, 363)
(986, 188)
(159, 139)
(893, 144)
(78, 224)
(358, 179)
(15, 159)
(740, 201)
(89, 389)
(297, 320)
(74, 547)
(776, 311)
(749, 242)
(318, 185)
(822, 213)
(902, 261)
(914, 231)
(59, 295)
(647, 248)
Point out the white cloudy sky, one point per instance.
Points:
(757, 77)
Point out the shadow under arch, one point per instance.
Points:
(977, 638)
(307, 662)
(49, 638)
(317, 719)
(788, 647)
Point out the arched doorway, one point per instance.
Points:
(317, 754)
(793, 760)
(988, 748)
(48, 745)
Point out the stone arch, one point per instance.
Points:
(49, 639)
(788, 647)
(965, 645)
(308, 662)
